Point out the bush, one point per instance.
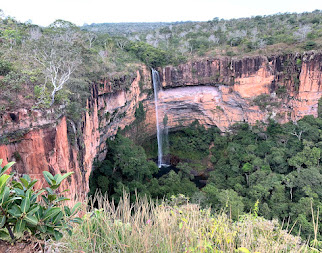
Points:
(22, 213)
(309, 45)
(5, 67)
(264, 102)
(140, 113)
(153, 57)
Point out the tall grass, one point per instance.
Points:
(146, 226)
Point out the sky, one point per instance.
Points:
(44, 12)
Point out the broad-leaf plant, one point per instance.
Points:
(39, 213)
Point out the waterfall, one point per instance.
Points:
(162, 129)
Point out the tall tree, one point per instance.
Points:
(58, 53)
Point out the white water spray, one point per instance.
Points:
(156, 87)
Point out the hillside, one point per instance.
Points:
(124, 29)
(289, 31)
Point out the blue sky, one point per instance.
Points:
(44, 12)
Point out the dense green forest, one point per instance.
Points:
(276, 165)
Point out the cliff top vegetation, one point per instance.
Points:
(259, 34)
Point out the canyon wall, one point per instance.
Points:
(219, 91)
(224, 91)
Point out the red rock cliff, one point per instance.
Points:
(224, 91)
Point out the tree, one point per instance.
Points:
(91, 37)
(279, 202)
(58, 53)
(302, 32)
(121, 42)
(247, 169)
(140, 113)
(174, 183)
(320, 108)
(308, 157)
(290, 182)
(232, 201)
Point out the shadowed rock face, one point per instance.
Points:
(219, 91)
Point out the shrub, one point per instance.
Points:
(5, 67)
(298, 62)
(264, 102)
(281, 91)
(140, 113)
(22, 213)
(309, 45)
(153, 57)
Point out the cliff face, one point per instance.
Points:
(47, 147)
(224, 91)
(46, 140)
(219, 91)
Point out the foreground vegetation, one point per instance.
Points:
(137, 225)
(26, 212)
(174, 226)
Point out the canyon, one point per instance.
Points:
(217, 91)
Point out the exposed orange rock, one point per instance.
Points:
(238, 82)
(46, 149)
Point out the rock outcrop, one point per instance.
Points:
(219, 91)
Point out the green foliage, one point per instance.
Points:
(281, 91)
(21, 211)
(151, 56)
(175, 225)
(32, 50)
(192, 143)
(5, 67)
(310, 45)
(298, 62)
(125, 168)
(281, 31)
(139, 113)
(265, 102)
(320, 107)
(172, 183)
(276, 165)
(279, 166)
